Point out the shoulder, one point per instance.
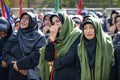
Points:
(39, 33)
(77, 41)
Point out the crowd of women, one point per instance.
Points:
(59, 47)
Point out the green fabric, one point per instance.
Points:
(68, 34)
(104, 58)
(43, 65)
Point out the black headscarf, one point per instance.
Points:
(60, 17)
(5, 26)
(29, 36)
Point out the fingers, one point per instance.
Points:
(53, 32)
(15, 65)
(50, 63)
(4, 64)
(23, 72)
(45, 29)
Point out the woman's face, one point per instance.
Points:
(17, 25)
(113, 18)
(57, 23)
(47, 21)
(89, 31)
(118, 23)
(24, 21)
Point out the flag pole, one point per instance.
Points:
(56, 5)
(21, 7)
(79, 7)
(3, 9)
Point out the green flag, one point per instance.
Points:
(56, 5)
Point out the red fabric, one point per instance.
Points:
(79, 7)
(21, 7)
(52, 71)
(3, 9)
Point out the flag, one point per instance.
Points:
(7, 2)
(79, 7)
(21, 7)
(6, 12)
(56, 5)
(3, 9)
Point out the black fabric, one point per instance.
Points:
(67, 67)
(4, 73)
(49, 50)
(29, 36)
(115, 71)
(4, 25)
(116, 39)
(90, 46)
(60, 17)
(28, 39)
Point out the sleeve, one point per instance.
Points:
(32, 60)
(117, 62)
(115, 71)
(49, 51)
(6, 53)
(116, 39)
(68, 59)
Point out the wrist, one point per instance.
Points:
(52, 39)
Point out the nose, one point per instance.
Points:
(88, 30)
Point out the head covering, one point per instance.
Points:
(4, 24)
(32, 20)
(67, 35)
(60, 17)
(87, 22)
(104, 58)
(47, 15)
(28, 37)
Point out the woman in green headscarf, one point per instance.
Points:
(95, 51)
(61, 51)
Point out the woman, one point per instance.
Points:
(61, 51)
(95, 51)
(115, 73)
(116, 38)
(47, 24)
(111, 23)
(17, 24)
(21, 52)
(116, 42)
(5, 32)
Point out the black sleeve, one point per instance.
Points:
(117, 62)
(31, 60)
(115, 71)
(116, 39)
(49, 51)
(69, 58)
(6, 53)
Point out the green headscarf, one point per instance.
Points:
(104, 58)
(68, 34)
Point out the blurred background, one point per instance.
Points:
(71, 6)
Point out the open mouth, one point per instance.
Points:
(59, 29)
